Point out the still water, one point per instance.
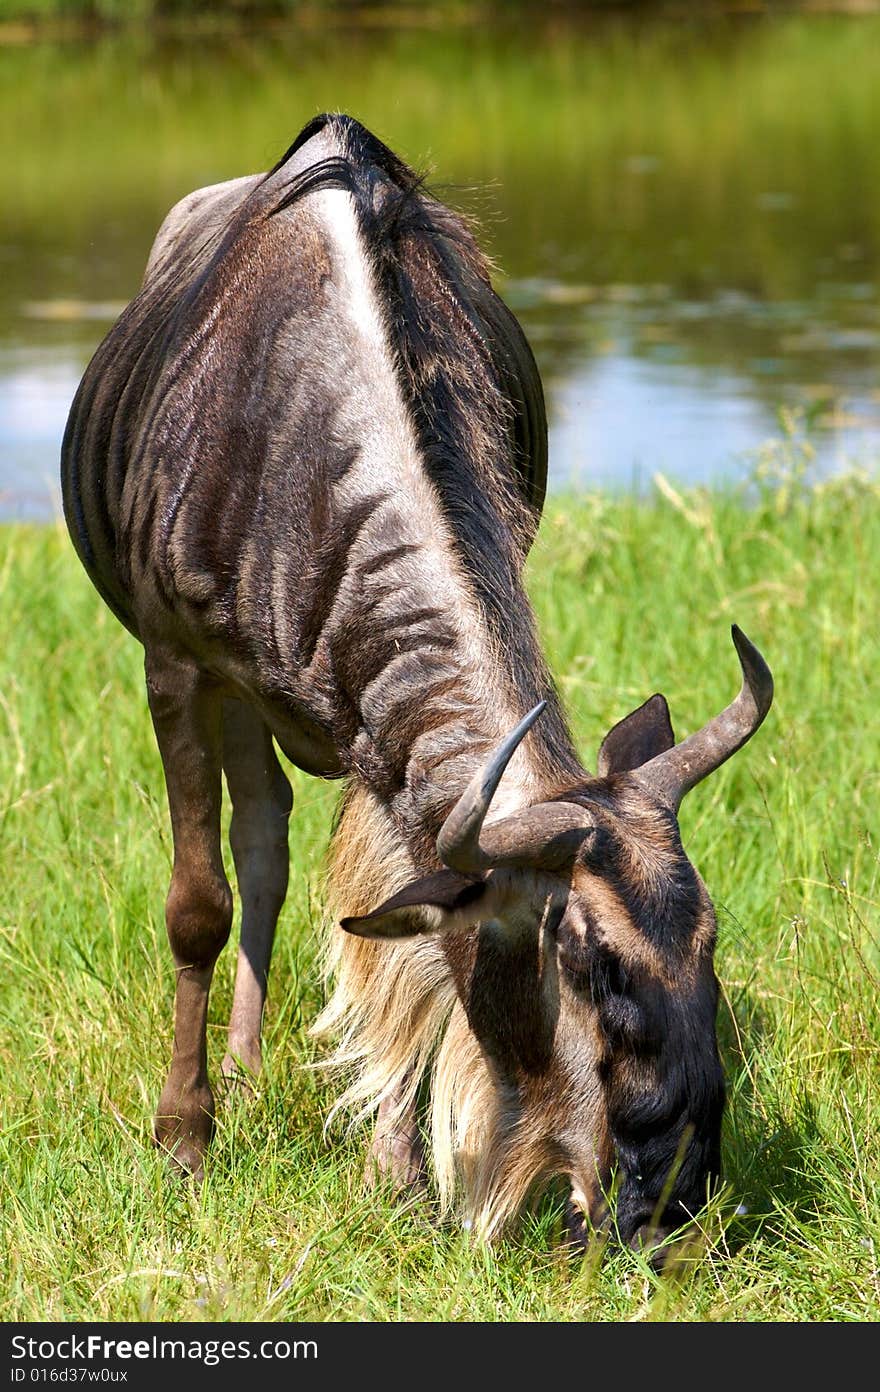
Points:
(684, 214)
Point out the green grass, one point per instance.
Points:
(632, 595)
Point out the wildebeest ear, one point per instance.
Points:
(637, 738)
(429, 905)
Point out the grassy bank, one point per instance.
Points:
(550, 120)
(632, 596)
(698, 196)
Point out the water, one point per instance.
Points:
(685, 215)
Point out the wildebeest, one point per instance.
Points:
(305, 468)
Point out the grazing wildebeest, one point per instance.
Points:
(305, 468)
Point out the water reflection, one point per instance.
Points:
(687, 215)
(36, 389)
(639, 381)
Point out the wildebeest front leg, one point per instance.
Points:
(397, 1154)
(261, 803)
(186, 709)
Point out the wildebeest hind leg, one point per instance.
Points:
(261, 803)
(186, 708)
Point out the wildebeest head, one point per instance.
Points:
(581, 942)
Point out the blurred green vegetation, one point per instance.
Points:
(605, 161)
(121, 12)
(134, 11)
(384, 12)
(660, 145)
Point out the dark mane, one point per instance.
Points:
(405, 228)
(466, 372)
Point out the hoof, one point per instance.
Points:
(240, 1072)
(186, 1160)
(576, 1231)
(184, 1129)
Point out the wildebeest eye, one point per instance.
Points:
(608, 976)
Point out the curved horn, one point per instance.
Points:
(675, 772)
(544, 834)
(458, 841)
